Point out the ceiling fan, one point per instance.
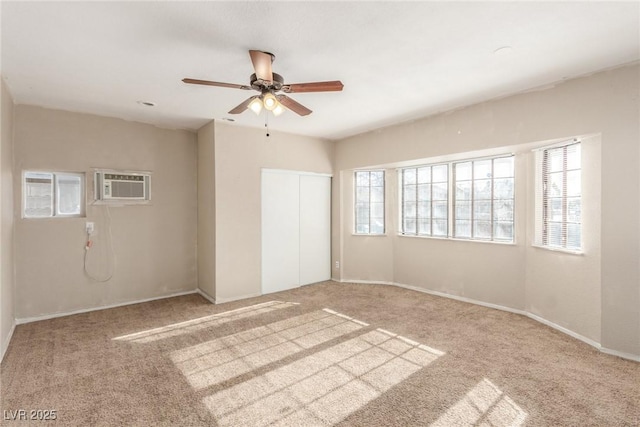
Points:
(270, 84)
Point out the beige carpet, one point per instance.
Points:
(326, 354)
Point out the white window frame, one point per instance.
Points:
(355, 202)
(473, 199)
(541, 232)
(55, 209)
(401, 173)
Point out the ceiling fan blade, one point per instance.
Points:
(242, 107)
(294, 106)
(332, 86)
(262, 64)
(210, 83)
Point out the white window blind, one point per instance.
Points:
(369, 202)
(484, 199)
(558, 204)
(425, 197)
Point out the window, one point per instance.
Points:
(369, 214)
(425, 193)
(52, 194)
(559, 197)
(483, 199)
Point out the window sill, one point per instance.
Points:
(369, 235)
(561, 250)
(453, 239)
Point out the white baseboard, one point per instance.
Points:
(102, 307)
(7, 340)
(223, 300)
(206, 296)
(622, 354)
(532, 316)
(564, 330)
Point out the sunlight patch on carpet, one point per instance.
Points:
(485, 404)
(193, 325)
(221, 359)
(326, 387)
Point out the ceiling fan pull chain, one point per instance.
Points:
(266, 122)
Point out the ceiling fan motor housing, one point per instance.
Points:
(266, 86)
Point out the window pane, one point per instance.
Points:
(409, 194)
(574, 209)
(503, 167)
(556, 159)
(362, 228)
(69, 194)
(377, 210)
(574, 185)
(463, 171)
(424, 226)
(554, 209)
(424, 192)
(482, 189)
(362, 178)
(573, 157)
(574, 236)
(362, 194)
(377, 226)
(409, 176)
(554, 237)
(503, 188)
(482, 169)
(424, 210)
(369, 202)
(440, 173)
(463, 210)
(482, 229)
(439, 191)
(463, 190)
(424, 175)
(410, 209)
(362, 213)
(38, 194)
(377, 194)
(440, 210)
(463, 229)
(409, 226)
(377, 178)
(554, 188)
(482, 210)
(439, 227)
(503, 231)
(503, 210)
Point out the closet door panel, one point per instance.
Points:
(315, 229)
(280, 231)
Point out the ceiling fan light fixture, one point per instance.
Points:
(256, 105)
(278, 110)
(270, 101)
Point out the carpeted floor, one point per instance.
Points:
(325, 354)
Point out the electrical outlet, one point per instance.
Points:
(90, 226)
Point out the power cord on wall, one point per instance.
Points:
(110, 253)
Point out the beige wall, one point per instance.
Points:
(206, 211)
(240, 155)
(7, 317)
(564, 289)
(154, 245)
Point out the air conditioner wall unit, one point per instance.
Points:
(121, 186)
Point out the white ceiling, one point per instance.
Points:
(398, 60)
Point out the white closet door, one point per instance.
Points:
(315, 228)
(280, 231)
